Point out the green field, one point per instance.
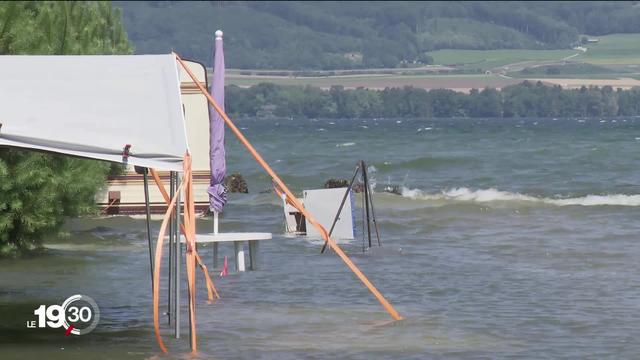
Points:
(617, 49)
(614, 49)
(574, 70)
(460, 82)
(613, 57)
(489, 59)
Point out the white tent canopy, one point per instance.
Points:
(94, 106)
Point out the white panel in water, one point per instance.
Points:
(323, 205)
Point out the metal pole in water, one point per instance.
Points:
(366, 197)
(363, 220)
(148, 213)
(171, 260)
(344, 199)
(373, 216)
(178, 255)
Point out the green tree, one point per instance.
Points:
(446, 103)
(526, 99)
(38, 190)
(324, 34)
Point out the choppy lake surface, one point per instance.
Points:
(511, 239)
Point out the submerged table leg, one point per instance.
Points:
(238, 249)
(215, 255)
(236, 255)
(253, 254)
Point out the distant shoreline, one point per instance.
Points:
(524, 99)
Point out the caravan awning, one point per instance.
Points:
(94, 106)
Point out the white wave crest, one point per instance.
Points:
(464, 194)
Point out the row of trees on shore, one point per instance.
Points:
(526, 99)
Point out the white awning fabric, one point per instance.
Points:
(94, 106)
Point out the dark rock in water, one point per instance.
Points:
(358, 187)
(266, 191)
(235, 184)
(336, 183)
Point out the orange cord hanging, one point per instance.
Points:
(188, 229)
(211, 289)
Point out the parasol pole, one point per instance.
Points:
(217, 163)
(215, 244)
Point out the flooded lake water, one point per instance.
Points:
(511, 239)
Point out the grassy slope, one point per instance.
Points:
(613, 50)
(324, 35)
(618, 55)
(459, 82)
(613, 57)
(488, 59)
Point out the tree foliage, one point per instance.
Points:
(37, 190)
(527, 99)
(300, 35)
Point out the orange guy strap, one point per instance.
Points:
(104, 211)
(156, 270)
(158, 182)
(189, 220)
(211, 288)
(332, 244)
(189, 231)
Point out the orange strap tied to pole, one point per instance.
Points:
(211, 288)
(189, 230)
(290, 197)
(156, 270)
(189, 218)
(158, 181)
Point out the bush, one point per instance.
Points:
(423, 58)
(38, 190)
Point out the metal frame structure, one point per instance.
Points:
(175, 251)
(367, 203)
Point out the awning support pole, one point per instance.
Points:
(170, 311)
(178, 255)
(148, 213)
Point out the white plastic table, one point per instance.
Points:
(237, 238)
